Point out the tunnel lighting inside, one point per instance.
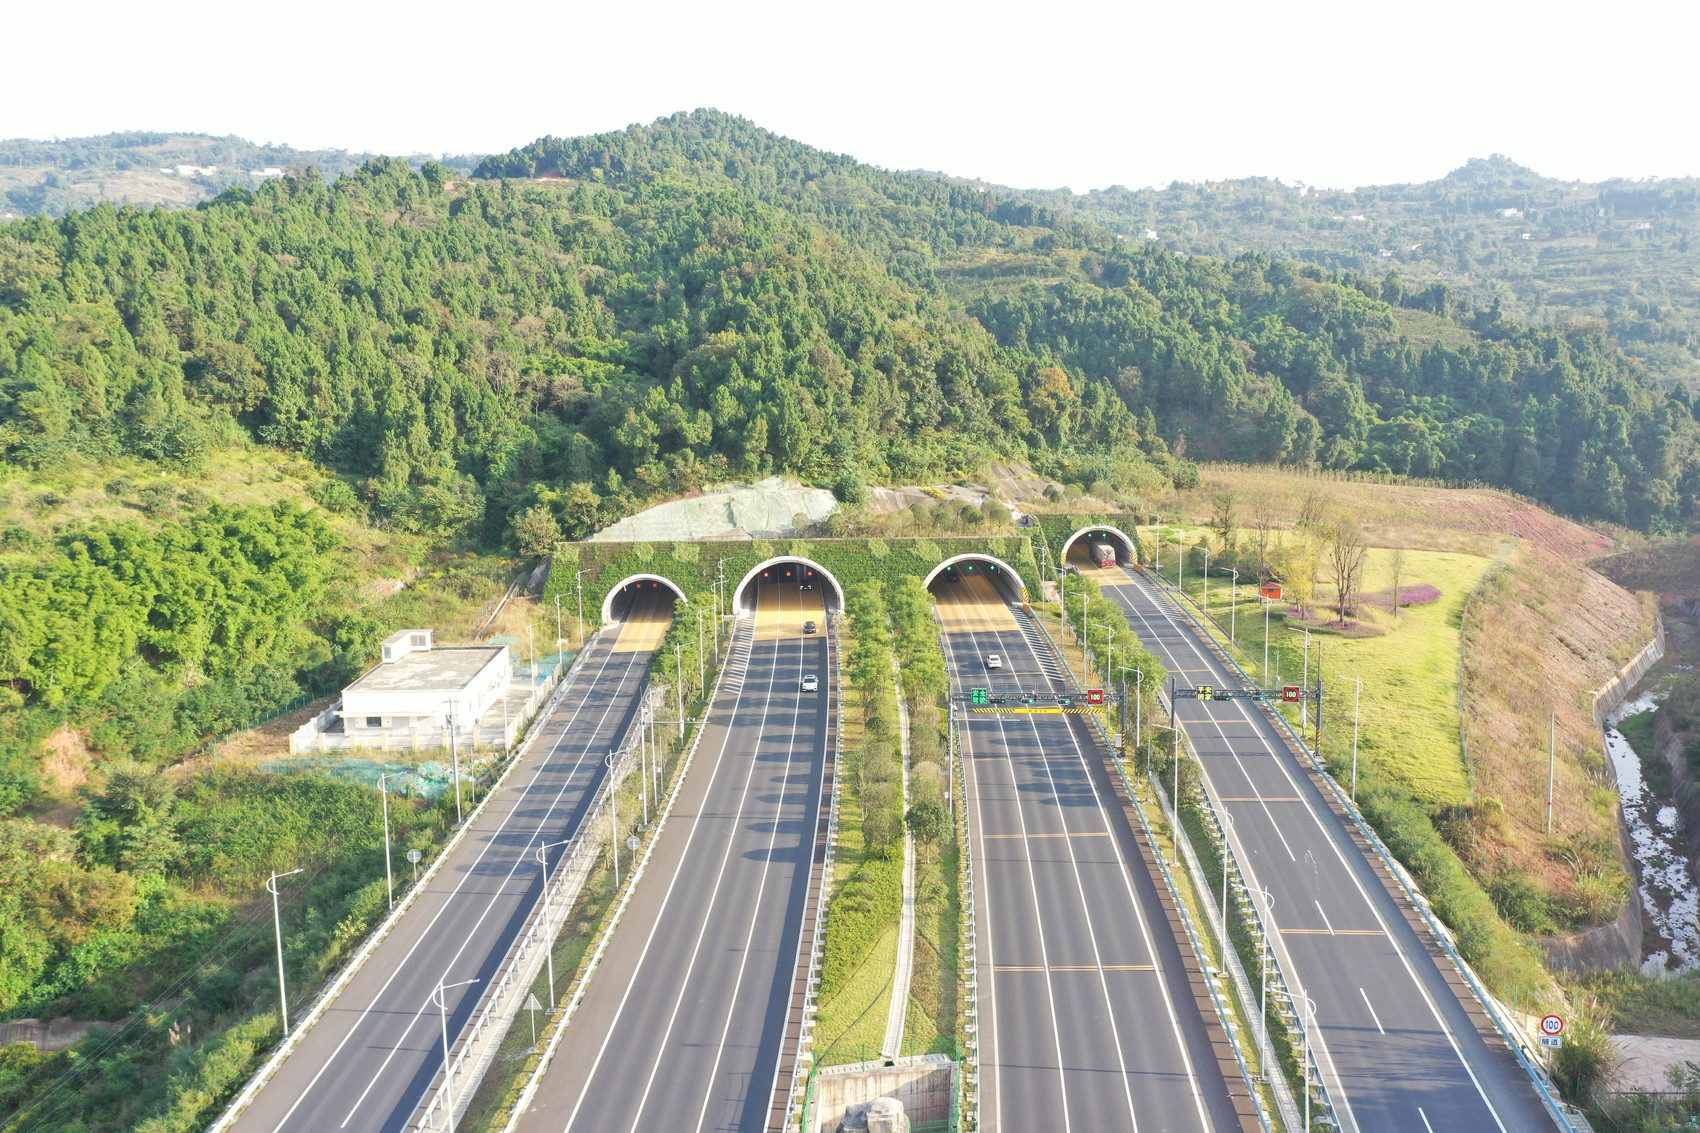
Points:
(809, 583)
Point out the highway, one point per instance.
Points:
(683, 1024)
(369, 1060)
(1399, 1048)
(1089, 1017)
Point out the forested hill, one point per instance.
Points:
(1625, 253)
(632, 314)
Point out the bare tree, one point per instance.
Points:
(1313, 511)
(1263, 527)
(1396, 567)
(1345, 549)
(1224, 519)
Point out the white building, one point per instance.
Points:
(267, 173)
(1147, 234)
(1508, 214)
(419, 686)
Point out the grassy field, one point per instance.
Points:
(1408, 716)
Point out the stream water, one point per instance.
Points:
(1668, 893)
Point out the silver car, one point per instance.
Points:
(811, 683)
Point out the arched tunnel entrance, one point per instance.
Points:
(975, 593)
(642, 606)
(788, 595)
(1092, 548)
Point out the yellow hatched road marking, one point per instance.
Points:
(1075, 968)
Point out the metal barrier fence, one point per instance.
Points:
(803, 1085)
(1511, 1034)
(1222, 1008)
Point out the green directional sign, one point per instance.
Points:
(978, 695)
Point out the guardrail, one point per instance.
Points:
(1223, 1011)
(322, 1003)
(968, 971)
(1442, 934)
(802, 1093)
(638, 868)
(504, 996)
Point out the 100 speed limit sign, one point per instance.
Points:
(1552, 1025)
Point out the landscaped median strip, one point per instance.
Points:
(376, 937)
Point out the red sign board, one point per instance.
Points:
(1094, 696)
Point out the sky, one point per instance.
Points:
(1086, 95)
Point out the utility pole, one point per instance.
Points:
(454, 753)
(389, 878)
(1552, 762)
(702, 662)
(277, 926)
(679, 685)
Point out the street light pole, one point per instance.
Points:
(1207, 577)
(1234, 608)
(1357, 697)
(277, 927)
(702, 661)
(389, 878)
(1265, 599)
(441, 998)
(614, 816)
(454, 754)
(557, 623)
(578, 581)
(679, 685)
(549, 914)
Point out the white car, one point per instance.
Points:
(811, 683)
(994, 662)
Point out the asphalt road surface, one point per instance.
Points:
(367, 1063)
(682, 1025)
(1087, 1020)
(1398, 1050)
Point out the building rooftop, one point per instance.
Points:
(424, 670)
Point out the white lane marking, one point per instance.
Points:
(806, 839)
(1133, 900)
(1039, 923)
(1325, 919)
(1411, 971)
(1138, 913)
(1424, 1116)
(447, 901)
(520, 862)
(667, 898)
(1373, 1015)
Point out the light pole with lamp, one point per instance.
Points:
(614, 815)
(558, 623)
(454, 752)
(1227, 829)
(389, 878)
(679, 685)
(1263, 975)
(549, 914)
(1109, 639)
(440, 997)
(1357, 698)
(702, 661)
(1234, 607)
(578, 581)
(1206, 576)
(277, 927)
(1310, 1021)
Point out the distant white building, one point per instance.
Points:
(1508, 214)
(1527, 236)
(1148, 234)
(266, 173)
(191, 170)
(419, 686)
(1643, 226)
(1385, 253)
(1358, 216)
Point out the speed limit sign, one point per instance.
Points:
(1552, 1025)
